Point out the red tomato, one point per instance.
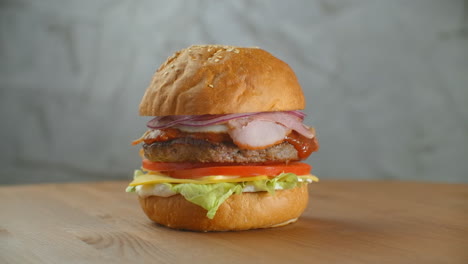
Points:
(197, 170)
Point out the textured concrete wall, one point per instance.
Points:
(386, 81)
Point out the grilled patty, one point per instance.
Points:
(197, 150)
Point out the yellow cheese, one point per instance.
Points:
(155, 177)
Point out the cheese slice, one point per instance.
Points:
(156, 177)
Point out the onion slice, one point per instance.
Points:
(161, 122)
(290, 119)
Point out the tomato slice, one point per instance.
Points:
(197, 170)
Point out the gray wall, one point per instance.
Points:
(386, 81)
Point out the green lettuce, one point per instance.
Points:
(208, 196)
(130, 189)
(283, 181)
(211, 196)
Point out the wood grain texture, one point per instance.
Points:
(346, 222)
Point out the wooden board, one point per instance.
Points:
(346, 222)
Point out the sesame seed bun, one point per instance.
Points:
(239, 212)
(214, 79)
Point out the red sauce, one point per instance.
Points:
(304, 146)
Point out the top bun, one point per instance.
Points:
(214, 79)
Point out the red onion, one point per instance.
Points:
(297, 113)
(161, 122)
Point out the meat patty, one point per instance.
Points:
(197, 150)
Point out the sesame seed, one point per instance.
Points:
(236, 51)
(216, 60)
(210, 85)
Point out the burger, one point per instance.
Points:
(223, 150)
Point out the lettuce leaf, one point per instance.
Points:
(208, 196)
(130, 189)
(283, 181)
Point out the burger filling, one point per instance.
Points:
(176, 145)
(208, 158)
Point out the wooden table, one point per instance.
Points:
(346, 222)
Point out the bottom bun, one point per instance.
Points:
(239, 212)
